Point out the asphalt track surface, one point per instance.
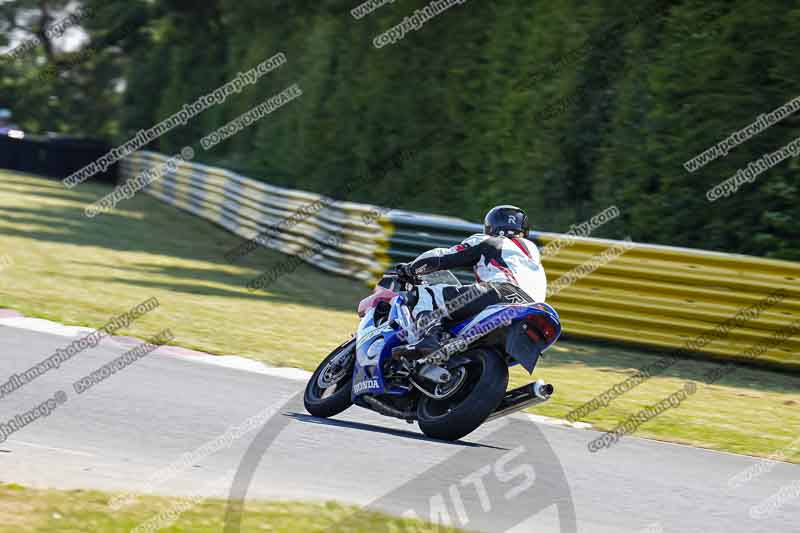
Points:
(535, 477)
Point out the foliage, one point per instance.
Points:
(561, 107)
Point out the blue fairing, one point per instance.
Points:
(370, 356)
(368, 376)
(521, 351)
(506, 313)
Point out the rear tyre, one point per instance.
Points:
(479, 395)
(328, 391)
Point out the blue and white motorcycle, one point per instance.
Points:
(449, 393)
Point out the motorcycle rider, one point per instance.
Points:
(507, 269)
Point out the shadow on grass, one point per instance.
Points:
(199, 289)
(65, 195)
(616, 358)
(144, 224)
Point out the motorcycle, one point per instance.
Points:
(454, 390)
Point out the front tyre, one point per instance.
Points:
(479, 395)
(328, 391)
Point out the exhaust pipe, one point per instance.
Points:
(387, 410)
(543, 390)
(526, 396)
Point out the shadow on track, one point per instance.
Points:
(387, 431)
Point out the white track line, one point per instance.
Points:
(52, 448)
(44, 326)
(227, 361)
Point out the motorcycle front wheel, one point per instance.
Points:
(328, 391)
(477, 397)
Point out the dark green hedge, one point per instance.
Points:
(562, 107)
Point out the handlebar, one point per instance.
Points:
(413, 280)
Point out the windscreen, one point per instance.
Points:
(442, 277)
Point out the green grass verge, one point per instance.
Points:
(24, 510)
(69, 268)
(74, 270)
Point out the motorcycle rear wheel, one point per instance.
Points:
(328, 391)
(464, 411)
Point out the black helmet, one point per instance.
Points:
(506, 220)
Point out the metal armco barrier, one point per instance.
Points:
(335, 237)
(55, 156)
(655, 296)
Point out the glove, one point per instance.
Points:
(404, 270)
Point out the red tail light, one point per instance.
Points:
(533, 335)
(540, 328)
